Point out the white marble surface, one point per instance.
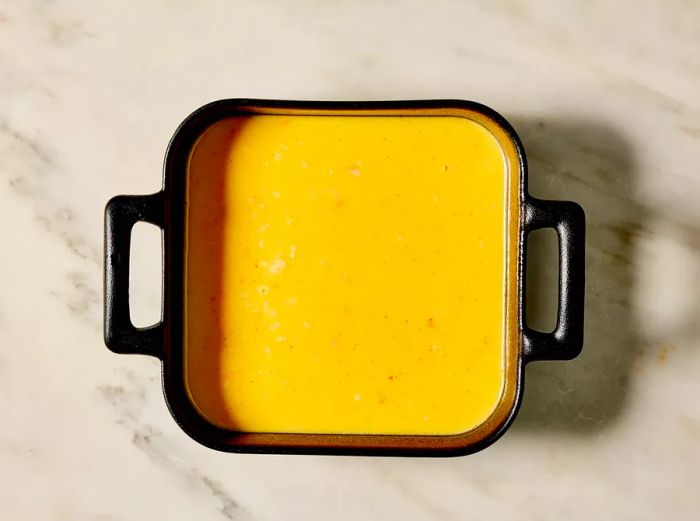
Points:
(606, 96)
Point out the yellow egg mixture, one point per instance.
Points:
(346, 274)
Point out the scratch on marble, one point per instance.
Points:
(32, 146)
(63, 30)
(17, 448)
(663, 100)
(64, 33)
(229, 507)
(59, 224)
(69, 512)
(143, 438)
(81, 299)
(146, 439)
(583, 418)
(628, 232)
(19, 149)
(128, 402)
(86, 297)
(472, 55)
(573, 176)
(617, 257)
(602, 166)
(116, 395)
(693, 132)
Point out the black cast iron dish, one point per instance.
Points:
(165, 339)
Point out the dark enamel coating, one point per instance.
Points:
(166, 209)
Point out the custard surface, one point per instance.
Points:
(346, 274)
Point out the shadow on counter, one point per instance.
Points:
(593, 165)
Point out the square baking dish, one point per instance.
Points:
(344, 277)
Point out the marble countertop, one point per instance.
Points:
(605, 97)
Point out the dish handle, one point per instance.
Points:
(569, 221)
(121, 214)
